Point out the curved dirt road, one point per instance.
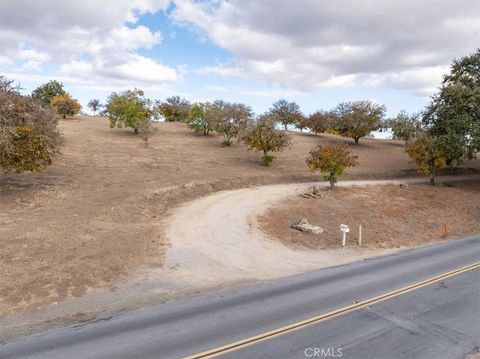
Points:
(216, 239)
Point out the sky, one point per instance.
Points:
(317, 53)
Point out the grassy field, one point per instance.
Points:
(97, 212)
(391, 216)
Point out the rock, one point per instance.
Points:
(188, 185)
(307, 227)
(403, 185)
(313, 192)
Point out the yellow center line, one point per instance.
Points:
(337, 312)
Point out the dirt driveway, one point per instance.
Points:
(218, 238)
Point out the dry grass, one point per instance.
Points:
(391, 216)
(96, 214)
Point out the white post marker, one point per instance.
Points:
(360, 235)
(344, 229)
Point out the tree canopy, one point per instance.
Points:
(331, 160)
(128, 109)
(29, 139)
(453, 116)
(65, 105)
(174, 108)
(358, 119)
(230, 119)
(320, 121)
(285, 113)
(427, 155)
(46, 92)
(264, 137)
(405, 126)
(200, 118)
(95, 105)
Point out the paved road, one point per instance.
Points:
(441, 320)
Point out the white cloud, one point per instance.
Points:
(310, 44)
(86, 39)
(421, 81)
(33, 55)
(130, 39)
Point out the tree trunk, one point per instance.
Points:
(356, 140)
(332, 182)
(135, 131)
(432, 178)
(285, 126)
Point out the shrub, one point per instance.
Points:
(29, 139)
(267, 160)
(145, 129)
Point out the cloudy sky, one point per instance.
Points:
(315, 52)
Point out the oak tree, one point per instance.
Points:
(320, 121)
(65, 105)
(358, 119)
(331, 160)
(200, 118)
(230, 119)
(265, 138)
(427, 154)
(285, 113)
(405, 126)
(47, 91)
(174, 108)
(453, 116)
(128, 109)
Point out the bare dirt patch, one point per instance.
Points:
(97, 214)
(391, 216)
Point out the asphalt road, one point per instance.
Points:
(441, 320)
